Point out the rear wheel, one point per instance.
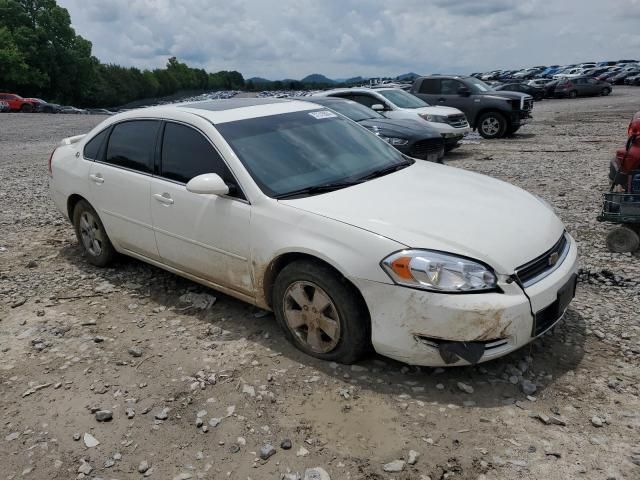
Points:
(92, 236)
(606, 91)
(321, 313)
(623, 240)
(492, 125)
(573, 94)
(26, 108)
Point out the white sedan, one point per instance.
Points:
(298, 210)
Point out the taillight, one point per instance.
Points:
(50, 159)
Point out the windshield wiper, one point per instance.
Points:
(327, 187)
(384, 171)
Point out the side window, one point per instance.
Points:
(186, 153)
(430, 86)
(450, 86)
(132, 144)
(367, 100)
(92, 148)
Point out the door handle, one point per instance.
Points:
(97, 178)
(165, 198)
(441, 99)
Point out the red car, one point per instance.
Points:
(624, 171)
(17, 103)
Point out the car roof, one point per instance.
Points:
(223, 110)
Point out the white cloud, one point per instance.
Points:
(344, 38)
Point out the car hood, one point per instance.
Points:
(444, 111)
(402, 128)
(448, 209)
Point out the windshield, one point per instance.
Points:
(352, 110)
(292, 151)
(477, 86)
(402, 99)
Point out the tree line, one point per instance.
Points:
(42, 56)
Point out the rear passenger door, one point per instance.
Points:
(119, 183)
(203, 235)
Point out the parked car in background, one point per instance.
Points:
(351, 244)
(74, 110)
(536, 92)
(539, 82)
(550, 89)
(494, 114)
(411, 137)
(396, 104)
(17, 103)
(620, 77)
(101, 111)
(4, 106)
(581, 86)
(42, 106)
(632, 79)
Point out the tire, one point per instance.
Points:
(492, 125)
(26, 108)
(342, 328)
(92, 235)
(605, 91)
(623, 240)
(573, 94)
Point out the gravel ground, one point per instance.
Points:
(126, 357)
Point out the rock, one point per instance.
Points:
(599, 334)
(199, 301)
(316, 473)
(12, 436)
(199, 422)
(465, 388)
(249, 390)
(90, 441)
(130, 413)
(267, 451)
(135, 352)
(286, 444)
(597, 421)
(528, 387)
(413, 457)
(163, 414)
(85, 468)
(394, 467)
(76, 436)
(302, 452)
(144, 466)
(183, 476)
(104, 415)
(214, 422)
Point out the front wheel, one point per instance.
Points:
(92, 236)
(321, 313)
(573, 94)
(623, 240)
(606, 91)
(492, 125)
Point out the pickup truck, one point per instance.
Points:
(493, 114)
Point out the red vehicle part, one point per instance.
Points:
(17, 103)
(624, 170)
(634, 125)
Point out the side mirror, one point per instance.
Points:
(378, 107)
(464, 92)
(208, 184)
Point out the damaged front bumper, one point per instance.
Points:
(434, 329)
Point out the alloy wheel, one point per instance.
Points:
(91, 234)
(312, 316)
(490, 126)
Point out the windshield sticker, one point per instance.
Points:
(323, 114)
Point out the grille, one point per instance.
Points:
(423, 148)
(530, 272)
(527, 104)
(457, 121)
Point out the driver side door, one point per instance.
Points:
(204, 235)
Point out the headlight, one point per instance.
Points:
(434, 118)
(437, 271)
(395, 141)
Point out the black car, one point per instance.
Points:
(550, 89)
(42, 106)
(411, 137)
(621, 76)
(536, 92)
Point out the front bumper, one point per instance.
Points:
(411, 325)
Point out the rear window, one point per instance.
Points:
(430, 86)
(93, 146)
(131, 145)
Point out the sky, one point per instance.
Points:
(278, 39)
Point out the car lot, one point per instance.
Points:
(129, 338)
